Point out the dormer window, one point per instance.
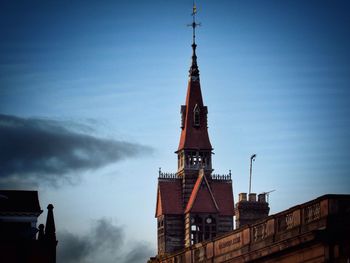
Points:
(196, 118)
(183, 115)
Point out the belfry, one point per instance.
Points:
(193, 204)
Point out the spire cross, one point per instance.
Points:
(194, 24)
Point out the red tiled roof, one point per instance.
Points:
(12, 201)
(201, 199)
(194, 137)
(223, 194)
(216, 197)
(169, 198)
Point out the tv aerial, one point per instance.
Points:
(268, 194)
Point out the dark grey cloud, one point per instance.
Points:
(141, 252)
(104, 243)
(42, 150)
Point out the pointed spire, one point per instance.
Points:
(194, 134)
(194, 71)
(50, 230)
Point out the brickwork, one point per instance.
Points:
(251, 210)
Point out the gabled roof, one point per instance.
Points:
(202, 199)
(213, 197)
(13, 201)
(169, 198)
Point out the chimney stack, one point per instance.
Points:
(251, 210)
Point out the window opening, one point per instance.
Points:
(196, 119)
(202, 228)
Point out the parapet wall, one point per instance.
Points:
(308, 228)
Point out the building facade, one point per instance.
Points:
(316, 231)
(20, 238)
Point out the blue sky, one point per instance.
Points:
(275, 77)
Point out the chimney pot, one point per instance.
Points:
(262, 198)
(242, 197)
(252, 197)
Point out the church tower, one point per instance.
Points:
(193, 204)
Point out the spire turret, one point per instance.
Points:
(50, 233)
(194, 151)
(50, 230)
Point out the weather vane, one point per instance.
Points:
(194, 24)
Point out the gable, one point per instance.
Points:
(204, 202)
(202, 199)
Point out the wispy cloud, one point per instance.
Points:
(48, 151)
(103, 243)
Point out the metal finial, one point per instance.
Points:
(194, 24)
(194, 71)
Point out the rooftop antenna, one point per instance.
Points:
(267, 195)
(252, 158)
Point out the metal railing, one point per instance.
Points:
(221, 177)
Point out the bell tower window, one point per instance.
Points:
(196, 116)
